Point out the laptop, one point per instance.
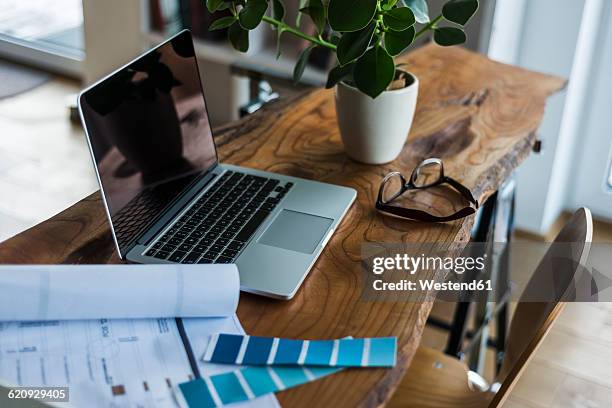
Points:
(168, 198)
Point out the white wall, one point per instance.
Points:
(569, 38)
(540, 35)
(593, 153)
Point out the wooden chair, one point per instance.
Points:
(436, 380)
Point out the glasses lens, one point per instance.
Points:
(392, 187)
(427, 174)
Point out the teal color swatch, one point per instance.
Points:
(346, 352)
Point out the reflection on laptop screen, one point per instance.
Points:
(149, 132)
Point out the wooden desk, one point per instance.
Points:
(481, 117)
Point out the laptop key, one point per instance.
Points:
(223, 260)
(168, 248)
(162, 254)
(205, 261)
(216, 248)
(228, 234)
(191, 258)
(222, 241)
(150, 252)
(191, 241)
(251, 226)
(200, 248)
(197, 234)
(211, 255)
(206, 241)
(235, 245)
(177, 256)
(230, 253)
(268, 206)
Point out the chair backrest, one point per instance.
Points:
(554, 280)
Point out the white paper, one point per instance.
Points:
(69, 292)
(111, 363)
(199, 332)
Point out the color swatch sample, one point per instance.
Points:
(346, 352)
(246, 384)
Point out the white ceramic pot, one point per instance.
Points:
(374, 130)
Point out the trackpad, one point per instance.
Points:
(296, 231)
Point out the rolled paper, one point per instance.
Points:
(66, 292)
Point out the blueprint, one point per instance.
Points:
(111, 363)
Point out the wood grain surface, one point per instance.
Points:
(479, 116)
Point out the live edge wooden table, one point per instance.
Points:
(479, 116)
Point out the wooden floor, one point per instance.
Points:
(45, 167)
(573, 367)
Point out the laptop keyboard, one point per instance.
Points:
(221, 221)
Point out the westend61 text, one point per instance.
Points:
(429, 285)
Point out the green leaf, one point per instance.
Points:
(388, 4)
(222, 22)
(278, 10)
(398, 41)
(420, 10)
(316, 11)
(300, 66)
(374, 71)
(399, 19)
(239, 37)
(447, 36)
(350, 15)
(339, 73)
(213, 5)
(353, 45)
(460, 11)
(251, 14)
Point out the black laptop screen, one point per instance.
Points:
(149, 133)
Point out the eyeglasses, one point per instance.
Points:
(429, 173)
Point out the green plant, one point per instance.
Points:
(365, 35)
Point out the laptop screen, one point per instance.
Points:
(150, 135)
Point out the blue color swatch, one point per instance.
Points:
(288, 351)
(227, 348)
(221, 389)
(382, 353)
(319, 352)
(350, 352)
(257, 351)
(347, 352)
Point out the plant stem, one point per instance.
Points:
(429, 26)
(285, 27)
